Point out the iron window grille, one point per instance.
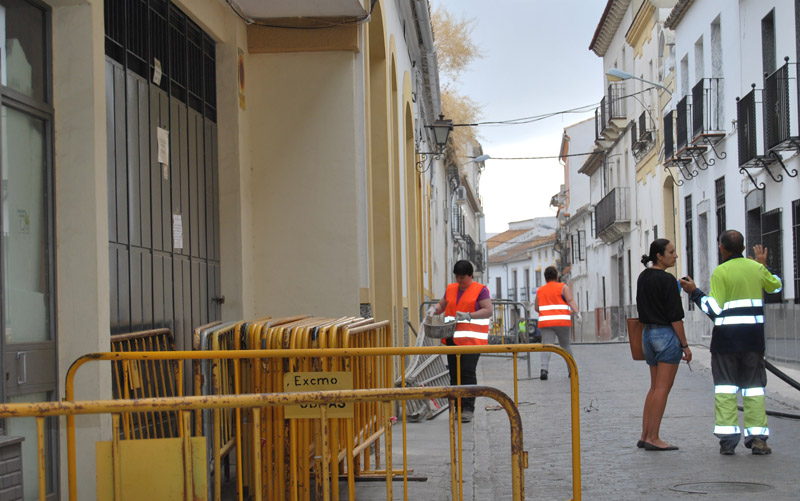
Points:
(747, 128)
(719, 189)
(682, 123)
(796, 248)
(771, 238)
(669, 136)
(140, 32)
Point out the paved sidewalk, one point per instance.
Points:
(612, 392)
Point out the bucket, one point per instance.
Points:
(436, 329)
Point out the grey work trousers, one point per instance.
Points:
(549, 335)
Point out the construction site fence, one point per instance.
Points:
(351, 438)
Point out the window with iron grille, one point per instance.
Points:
(689, 240)
(513, 285)
(669, 141)
(604, 298)
(771, 239)
(140, 34)
(582, 245)
(796, 248)
(683, 124)
(527, 282)
(630, 278)
(592, 224)
(768, 59)
(498, 287)
(719, 190)
(573, 239)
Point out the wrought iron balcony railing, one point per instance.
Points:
(669, 136)
(682, 123)
(612, 215)
(777, 111)
(609, 118)
(707, 119)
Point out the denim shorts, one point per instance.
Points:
(660, 344)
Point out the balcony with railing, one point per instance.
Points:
(778, 97)
(642, 136)
(763, 152)
(707, 118)
(610, 119)
(612, 215)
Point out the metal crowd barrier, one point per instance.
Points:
(192, 488)
(144, 379)
(349, 357)
(285, 470)
(423, 371)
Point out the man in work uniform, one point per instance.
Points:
(737, 341)
(470, 305)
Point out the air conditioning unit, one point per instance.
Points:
(460, 195)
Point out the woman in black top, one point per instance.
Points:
(663, 339)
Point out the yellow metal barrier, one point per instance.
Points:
(256, 402)
(146, 378)
(355, 442)
(347, 356)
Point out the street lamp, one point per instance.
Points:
(441, 131)
(615, 75)
(479, 159)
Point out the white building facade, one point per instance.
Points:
(736, 87)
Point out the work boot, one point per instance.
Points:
(543, 375)
(759, 447)
(727, 449)
(466, 416)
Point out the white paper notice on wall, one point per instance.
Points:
(163, 146)
(177, 231)
(157, 71)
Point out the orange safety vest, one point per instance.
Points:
(553, 310)
(467, 332)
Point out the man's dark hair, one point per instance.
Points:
(462, 267)
(732, 241)
(550, 273)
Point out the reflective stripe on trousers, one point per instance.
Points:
(726, 416)
(726, 411)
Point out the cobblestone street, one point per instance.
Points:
(612, 389)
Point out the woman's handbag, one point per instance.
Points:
(635, 328)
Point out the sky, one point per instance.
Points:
(536, 60)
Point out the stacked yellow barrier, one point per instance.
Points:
(277, 458)
(291, 455)
(146, 378)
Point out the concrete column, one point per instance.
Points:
(81, 208)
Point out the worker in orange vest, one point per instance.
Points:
(470, 305)
(553, 302)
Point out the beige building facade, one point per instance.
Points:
(210, 160)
